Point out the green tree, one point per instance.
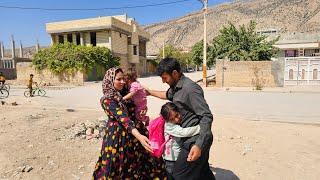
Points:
(196, 54)
(171, 51)
(243, 44)
(69, 57)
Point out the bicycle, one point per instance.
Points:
(5, 86)
(4, 93)
(36, 91)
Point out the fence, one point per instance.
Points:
(301, 71)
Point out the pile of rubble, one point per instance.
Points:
(88, 130)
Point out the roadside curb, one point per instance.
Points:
(263, 91)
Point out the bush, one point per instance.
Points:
(69, 57)
(258, 81)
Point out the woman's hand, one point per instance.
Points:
(142, 139)
(145, 142)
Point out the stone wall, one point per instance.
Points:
(47, 77)
(249, 73)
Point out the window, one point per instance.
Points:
(69, 38)
(7, 64)
(135, 50)
(315, 74)
(291, 53)
(120, 35)
(303, 74)
(61, 39)
(93, 38)
(291, 74)
(142, 48)
(129, 39)
(78, 38)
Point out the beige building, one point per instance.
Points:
(121, 34)
(300, 52)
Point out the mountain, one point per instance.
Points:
(286, 16)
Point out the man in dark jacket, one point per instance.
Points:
(192, 162)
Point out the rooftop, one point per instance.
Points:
(121, 23)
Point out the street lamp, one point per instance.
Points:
(204, 66)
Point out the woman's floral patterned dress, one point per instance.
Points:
(122, 156)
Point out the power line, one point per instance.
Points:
(92, 9)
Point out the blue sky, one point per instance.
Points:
(29, 25)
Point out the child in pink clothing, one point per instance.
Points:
(138, 95)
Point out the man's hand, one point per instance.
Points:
(147, 90)
(194, 154)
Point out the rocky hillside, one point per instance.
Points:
(283, 15)
(28, 52)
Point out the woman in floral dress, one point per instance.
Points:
(124, 153)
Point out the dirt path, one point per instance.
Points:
(39, 137)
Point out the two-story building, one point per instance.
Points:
(299, 44)
(301, 55)
(121, 34)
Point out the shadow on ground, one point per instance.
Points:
(223, 174)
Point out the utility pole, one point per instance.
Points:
(21, 50)
(13, 47)
(163, 55)
(37, 46)
(204, 66)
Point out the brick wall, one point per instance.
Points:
(45, 76)
(247, 73)
(119, 44)
(103, 39)
(124, 64)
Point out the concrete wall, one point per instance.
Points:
(10, 71)
(277, 70)
(78, 24)
(45, 76)
(247, 73)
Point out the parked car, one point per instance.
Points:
(190, 69)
